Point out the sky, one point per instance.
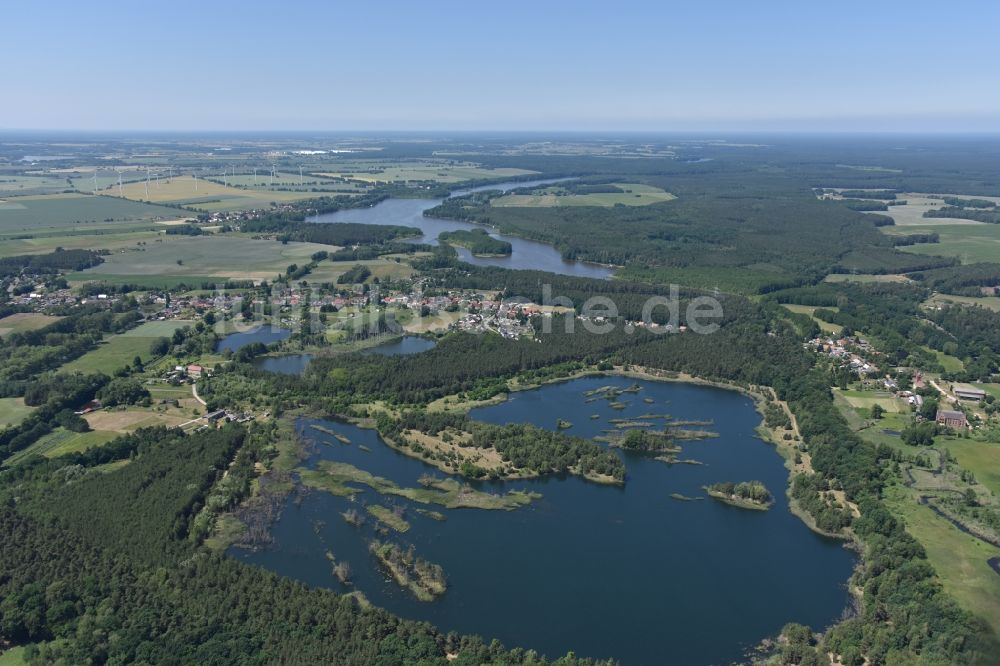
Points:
(741, 65)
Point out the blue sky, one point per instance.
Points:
(630, 66)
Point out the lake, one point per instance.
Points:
(526, 254)
(265, 335)
(408, 344)
(625, 572)
(289, 364)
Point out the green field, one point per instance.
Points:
(117, 350)
(989, 302)
(60, 442)
(157, 329)
(287, 180)
(948, 362)
(863, 277)
(223, 256)
(824, 326)
(440, 172)
(633, 194)
(121, 236)
(971, 243)
(12, 411)
(329, 271)
(13, 657)
(73, 212)
(958, 559)
(980, 458)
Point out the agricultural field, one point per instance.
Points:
(439, 172)
(82, 177)
(203, 257)
(287, 180)
(633, 194)
(72, 213)
(988, 302)
(133, 418)
(912, 213)
(201, 194)
(13, 411)
(97, 237)
(14, 186)
(971, 242)
(25, 321)
(117, 350)
(865, 400)
(329, 271)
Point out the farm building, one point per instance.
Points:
(969, 393)
(951, 419)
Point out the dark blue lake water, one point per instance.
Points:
(289, 364)
(408, 344)
(625, 572)
(265, 335)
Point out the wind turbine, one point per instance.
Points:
(95, 181)
(300, 175)
(272, 176)
(147, 183)
(120, 184)
(225, 177)
(255, 175)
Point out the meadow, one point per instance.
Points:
(824, 326)
(60, 442)
(204, 257)
(971, 242)
(633, 194)
(203, 194)
(29, 185)
(864, 277)
(25, 321)
(117, 350)
(287, 180)
(439, 172)
(959, 559)
(12, 411)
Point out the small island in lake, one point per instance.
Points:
(424, 579)
(478, 242)
(645, 441)
(745, 495)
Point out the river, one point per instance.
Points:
(526, 254)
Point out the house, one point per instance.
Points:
(89, 407)
(969, 393)
(195, 370)
(951, 419)
(216, 415)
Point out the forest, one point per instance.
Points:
(477, 241)
(78, 536)
(741, 232)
